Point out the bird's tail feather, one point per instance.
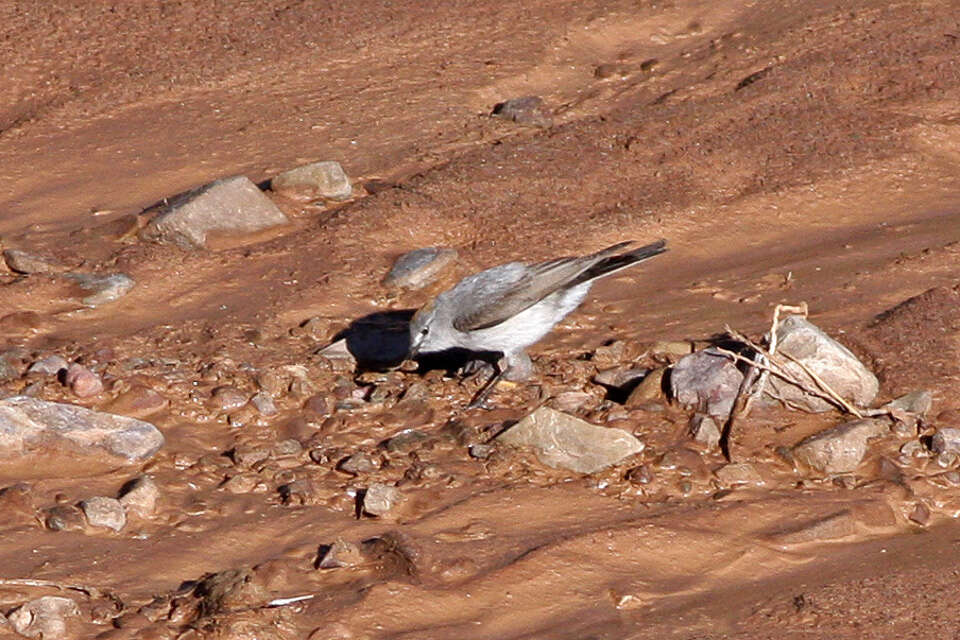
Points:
(614, 263)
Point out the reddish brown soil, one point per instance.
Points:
(789, 151)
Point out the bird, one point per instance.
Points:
(507, 308)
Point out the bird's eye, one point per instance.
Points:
(424, 331)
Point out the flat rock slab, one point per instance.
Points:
(230, 205)
(420, 267)
(827, 358)
(565, 442)
(839, 449)
(32, 426)
(314, 181)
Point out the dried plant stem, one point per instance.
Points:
(777, 367)
(29, 582)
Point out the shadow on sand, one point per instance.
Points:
(381, 341)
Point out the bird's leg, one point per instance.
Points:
(476, 367)
(480, 399)
(519, 366)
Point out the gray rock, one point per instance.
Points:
(105, 512)
(264, 404)
(707, 381)
(51, 365)
(341, 554)
(30, 425)
(140, 496)
(405, 441)
(63, 517)
(563, 441)
(227, 398)
(705, 430)
(358, 463)
(649, 389)
(338, 354)
(44, 618)
(103, 289)
(918, 403)
(481, 451)
(738, 473)
(23, 262)
(909, 409)
(231, 205)
(618, 378)
(313, 181)
(945, 440)
(83, 382)
(826, 357)
(528, 110)
(379, 499)
(839, 449)
(419, 268)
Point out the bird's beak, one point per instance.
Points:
(414, 349)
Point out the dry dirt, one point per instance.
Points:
(790, 151)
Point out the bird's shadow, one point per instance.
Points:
(381, 341)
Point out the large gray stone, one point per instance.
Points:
(313, 181)
(707, 381)
(565, 442)
(230, 205)
(827, 358)
(420, 267)
(30, 425)
(839, 449)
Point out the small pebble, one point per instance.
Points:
(83, 382)
(242, 483)
(264, 404)
(272, 383)
(288, 448)
(379, 499)
(481, 451)
(920, 514)
(419, 268)
(63, 518)
(528, 110)
(640, 475)
(51, 365)
(105, 512)
(358, 463)
(140, 496)
(341, 554)
(227, 398)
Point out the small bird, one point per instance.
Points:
(507, 308)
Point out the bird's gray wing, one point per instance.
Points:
(510, 289)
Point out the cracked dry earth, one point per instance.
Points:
(790, 151)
